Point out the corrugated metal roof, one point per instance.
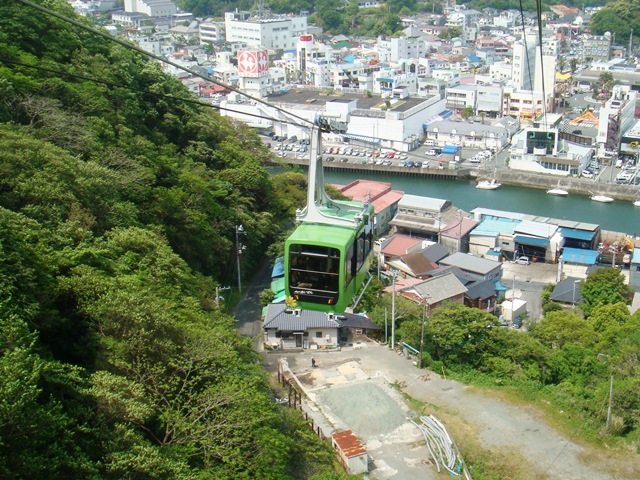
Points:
(349, 444)
(579, 255)
(536, 229)
(470, 263)
(524, 240)
(494, 227)
(577, 234)
(426, 203)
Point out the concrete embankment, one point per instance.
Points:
(574, 185)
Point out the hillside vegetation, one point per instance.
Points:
(118, 204)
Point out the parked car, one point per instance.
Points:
(391, 154)
(523, 261)
(431, 152)
(403, 156)
(409, 163)
(425, 164)
(430, 143)
(587, 174)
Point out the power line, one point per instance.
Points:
(130, 46)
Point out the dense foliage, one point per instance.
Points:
(619, 17)
(118, 207)
(567, 357)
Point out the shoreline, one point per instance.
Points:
(574, 185)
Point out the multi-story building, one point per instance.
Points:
(460, 97)
(522, 103)
(597, 48)
(616, 117)
(275, 33)
(489, 100)
(394, 49)
(523, 64)
(211, 32)
(152, 8)
(449, 76)
(540, 149)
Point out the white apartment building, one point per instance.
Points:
(394, 49)
(449, 76)
(211, 32)
(489, 100)
(523, 63)
(275, 33)
(153, 8)
(461, 96)
(616, 117)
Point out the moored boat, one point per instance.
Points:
(488, 185)
(601, 198)
(636, 203)
(558, 192)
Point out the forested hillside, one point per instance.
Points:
(118, 204)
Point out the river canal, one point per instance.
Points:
(617, 216)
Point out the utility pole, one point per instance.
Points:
(239, 248)
(610, 401)
(393, 313)
(425, 304)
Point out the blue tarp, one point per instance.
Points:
(446, 114)
(577, 234)
(450, 149)
(500, 287)
(278, 268)
(579, 255)
(537, 242)
(491, 251)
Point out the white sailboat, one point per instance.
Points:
(560, 192)
(601, 198)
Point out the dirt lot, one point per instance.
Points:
(351, 389)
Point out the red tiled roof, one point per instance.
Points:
(399, 244)
(378, 194)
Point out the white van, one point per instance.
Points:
(429, 143)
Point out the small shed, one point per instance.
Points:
(514, 309)
(353, 455)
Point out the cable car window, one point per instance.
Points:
(314, 268)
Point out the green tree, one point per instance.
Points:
(560, 327)
(459, 334)
(618, 17)
(467, 112)
(605, 286)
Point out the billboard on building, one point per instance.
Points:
(253, 63)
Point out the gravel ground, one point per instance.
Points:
(351, 390)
